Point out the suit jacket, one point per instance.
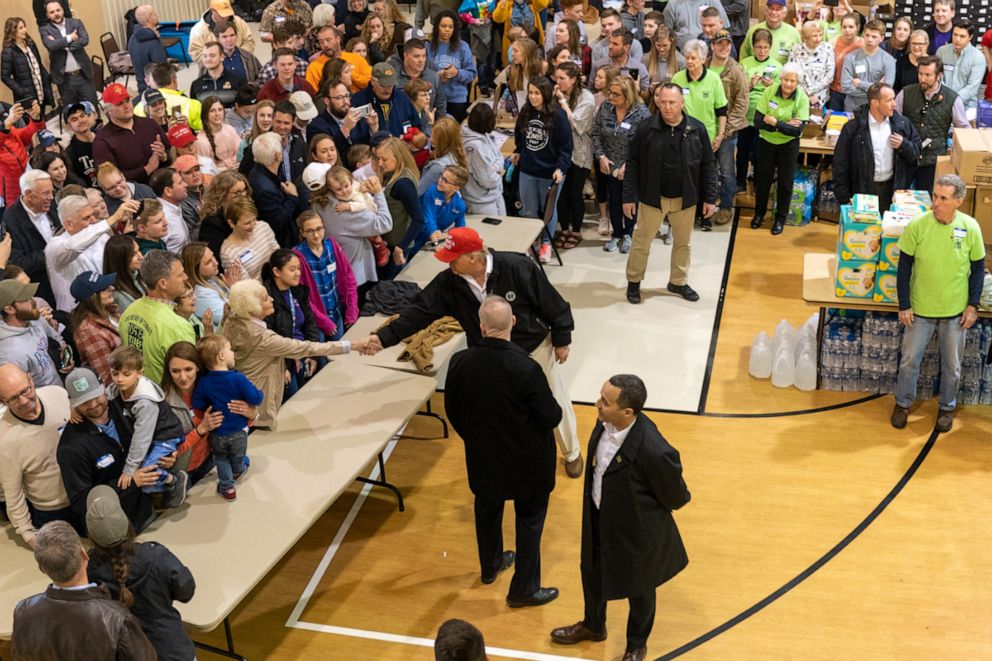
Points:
(854, 160)
(640, 545)
(57, 44)
(500, 403)
(28, 246)
(277, 208)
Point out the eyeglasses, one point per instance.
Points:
(24, 394)
(616, 94)
(240, 192)
(445, 180)
(919, 43)
(314, 231)
(339, 97)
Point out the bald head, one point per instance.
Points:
(143, 14)
(17, 391)
(12, 380)
(496, 317)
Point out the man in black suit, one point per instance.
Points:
(501, 405)
(66, 40)
(32, 222)
(630, 543)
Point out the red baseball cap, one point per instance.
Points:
(460, 241)
(115, 93)
(181, 135)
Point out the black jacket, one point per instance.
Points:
(281, 321)
(155, 577)
(499, 401)
(16, 74)
(538, 306)
(298, 159)
(854, 160)
(641, 183)
(325, 123)
(28, 246)
(640, 545)
(274, 206)
(88, 457)
(214, 230)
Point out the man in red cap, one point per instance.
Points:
(136, 145)
(544, 319)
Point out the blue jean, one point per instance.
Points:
(533, 196)
(728, 172)
(950, 339)
(158, 450)
(229, 455)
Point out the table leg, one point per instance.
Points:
(820, 325)
(229, 652)
(536, 256)
(381, 482)
(431, 414)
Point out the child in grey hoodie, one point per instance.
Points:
(157, 431)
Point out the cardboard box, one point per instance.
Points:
(855, 279)
(865, 203)
(885, 288)
(888, 256)
(971, 155)
(983, 212)
(944, 166)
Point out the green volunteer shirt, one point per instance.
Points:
(831, 30)
(942, 257)
(702, 97)
(769, 68)
(772, 103)
(783, 39)
(152, 326)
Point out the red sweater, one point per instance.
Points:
(14, 159)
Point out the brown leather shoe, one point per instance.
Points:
(945, 420)
(900, 414)
(635, 655)
(574, 468)
(576, 633)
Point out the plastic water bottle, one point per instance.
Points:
(784, 366)
(784, 330)
(760, 364)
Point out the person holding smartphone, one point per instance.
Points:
(13, 147)
(453, 60)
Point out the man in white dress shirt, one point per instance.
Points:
(170, 188)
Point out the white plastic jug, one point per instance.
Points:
(784, 366)
(783, 330)
(760, 364)
(805, 375)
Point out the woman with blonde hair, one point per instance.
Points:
(527, 65)
(211, 288)
(448, 149)
(323, 150)
(378, 35)
(906, 67)
(397, 170)
(251, 241)
(664, 59)
(816, 58)
(227, 187)
(264, 114)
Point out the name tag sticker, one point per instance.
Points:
(960, 232)
(437, 203)
(783, 51)
(245, 257)
(859, 68)
(625, 125)
(104, 461)
(685, 91)
(331, 268)
(773, 105)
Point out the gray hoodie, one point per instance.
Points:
(144, 407)
(27, 348)
(683, 17)
(484, 191)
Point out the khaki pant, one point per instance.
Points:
(566, 434)
(649, 221)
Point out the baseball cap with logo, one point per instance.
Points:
(12, 291)
(722, 35)
(88, 283)
(72, 108)
(384, 74)
(315, 175)
(181, 135)
(82, 386)
(305, 109)
(151, 97)
(46, 138)
(115, 93)
(460, 241)
(222, 7)
(106, 522)
(185, 163)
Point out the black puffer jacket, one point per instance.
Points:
(854, 160)
(16, 74)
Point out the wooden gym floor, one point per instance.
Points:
(811, 534)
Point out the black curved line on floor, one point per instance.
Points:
(824, 559)
(705, 389)
(777, 414)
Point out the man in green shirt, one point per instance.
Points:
(784, 36)
(150, 324)
(941, 271)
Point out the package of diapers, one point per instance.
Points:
(888, 258)
(855, 279)
(859, 242)
(885, 288)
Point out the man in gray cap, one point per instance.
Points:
(24, 335)
(93, 451)
(74, 618)
(394, 108)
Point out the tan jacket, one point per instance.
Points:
(736, 87)
(202, 34)
(260, 354)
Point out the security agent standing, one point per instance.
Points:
(544, 319)
(499, 403)
(941, 271)
(877, 151)
(630, 543)
(670, 167)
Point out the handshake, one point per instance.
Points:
(368, 346)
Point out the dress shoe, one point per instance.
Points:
(899, 416)
(573, 468)
(945, 420)
(757, 221)
(575, 633)
(539, 598)
(508, 558)
(635, 655)
(777, 227)
(685, 291)
(634, 292)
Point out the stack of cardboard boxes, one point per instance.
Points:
(971, 159)
(868, 244)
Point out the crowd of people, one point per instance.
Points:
(187, 259)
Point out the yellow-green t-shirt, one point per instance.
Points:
(772, 103)
(702, 97)
(770, 68)
(942, 257)
(784, 37)
(152, 326)
(831, 30)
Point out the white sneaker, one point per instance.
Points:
(612, 245)
(545, 254)
(604, 227)
(625, 244)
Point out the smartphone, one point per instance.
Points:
(176, 113)
(633, 73)
(65, 358)
(141, 207)
(25, 103)
(492, 221)
(362, 111)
